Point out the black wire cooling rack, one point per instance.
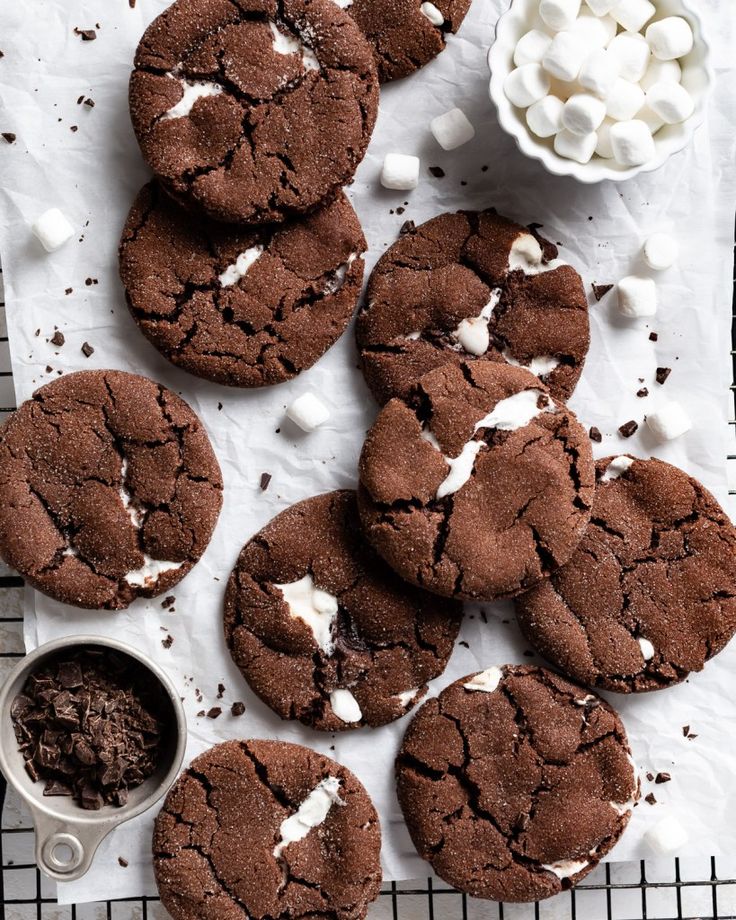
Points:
(699, 889)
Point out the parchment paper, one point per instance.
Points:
(93, 173)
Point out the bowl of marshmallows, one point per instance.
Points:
(599, 89)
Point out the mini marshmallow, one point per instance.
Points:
(669, 421)
(633, 55)
(575, 146)
(667, 836)
(531, 47)
(52, 229)
(603, 148)
(583, 113)
(671, 101)
(599, 72)
(433, 14)
(660, 72)
(559, 14)
(564, 57)
(452, 129)
(632, 142)
(308, 412)
(650, 119)
(526, 85)
(633, 15)
(400, 171)
(670, 38)
(592, 31)
(562, 90)
(601, 7)
(545, 116)
(660, 251)
(637, 296)
(624, 100)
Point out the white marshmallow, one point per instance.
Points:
(632, 142)
(345, 706)
(624, 100)
(633, 55)
(660, 251)
(531, 47)
(400, 171)
(637, 296)
(670, 38)
(526, 85)
(452, 129)
(603, 148)
(601, 7)
(559, 14)
(660, 72)
(308, 412)
(594, 32)
(671, 101)
(564, 57)
(667, 836)
(633, 15)
(434, 15)
(52, 229)
(669, 421)
(583, 113)
(650, 119)
(562, 90)
(545, 117)
(575, 146)
(599, 72)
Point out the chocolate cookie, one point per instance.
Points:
(515, 783)
(265, 829)
(406, 34)
(241, 307)
(479, 484)
(650, 593)
(472, 286)
(253, 111)
(109, 489)
(323, 630)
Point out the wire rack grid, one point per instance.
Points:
(697, 888)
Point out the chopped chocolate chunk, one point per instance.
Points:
(214, 712)
(265, 480)
(220, 691)
(68, 291)
(595, 434)
(686, 730)
(89, 723)
(9, 136)
(628, 428)
(80, 99)
(123, 862)
(662, 374)
(87, 35)
(600, 290)
(168, 601)
(58, 338)
(662, 778)
(437, 171)
(407, 227)
(168, 641)
(238, 708)
(650, 776)
(74, 128)
(653, 336)
(642, 392)
(90, 103)
(87, 349)
(650, 798)
(400, 210)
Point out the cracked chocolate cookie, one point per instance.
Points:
(479, 484)
(472, 286)
(406, 34)
(650, 593)
(241, 307)
(266, 829)
(323, 630)
(254, 111)
(109, 489)
(515, 783)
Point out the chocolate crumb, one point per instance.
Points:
(595, 434)
(653, 336)
(463, 643)
(74, 128)
(400, 210)
(650, 798)
(686, 730)
(68, 291)
(238, 708)
(214, 712)
(691, 737)
(90, 103)
(58, 338)
(49, 368)
(123, 862)
(662, 778)
(600, 291)
(265, 480)
(87, 349)
(650, 776)
(200, 714)
(168, 601)
(9, 136)
(642, 392)
(87, 35)
(168, 641)
(662, 374)
(220, 691)
(407, 227)
(628, 428)
(437, 171)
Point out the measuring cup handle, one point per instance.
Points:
(64, 850)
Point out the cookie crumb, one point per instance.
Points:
(238, 708)
(595, 434)
(600, 291)
(628, 428)
(662, 374)
(87, 349)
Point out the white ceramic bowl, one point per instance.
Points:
(697, 79)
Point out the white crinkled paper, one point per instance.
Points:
(93, 174)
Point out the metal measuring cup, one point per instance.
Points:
(67, 835)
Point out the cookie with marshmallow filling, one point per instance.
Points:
(472, 286)
(267, 829)
(109, 489)
(515, 783)
(243, 307)
(650, 594)
(255, 111)
(323, 630)
(478, 485)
